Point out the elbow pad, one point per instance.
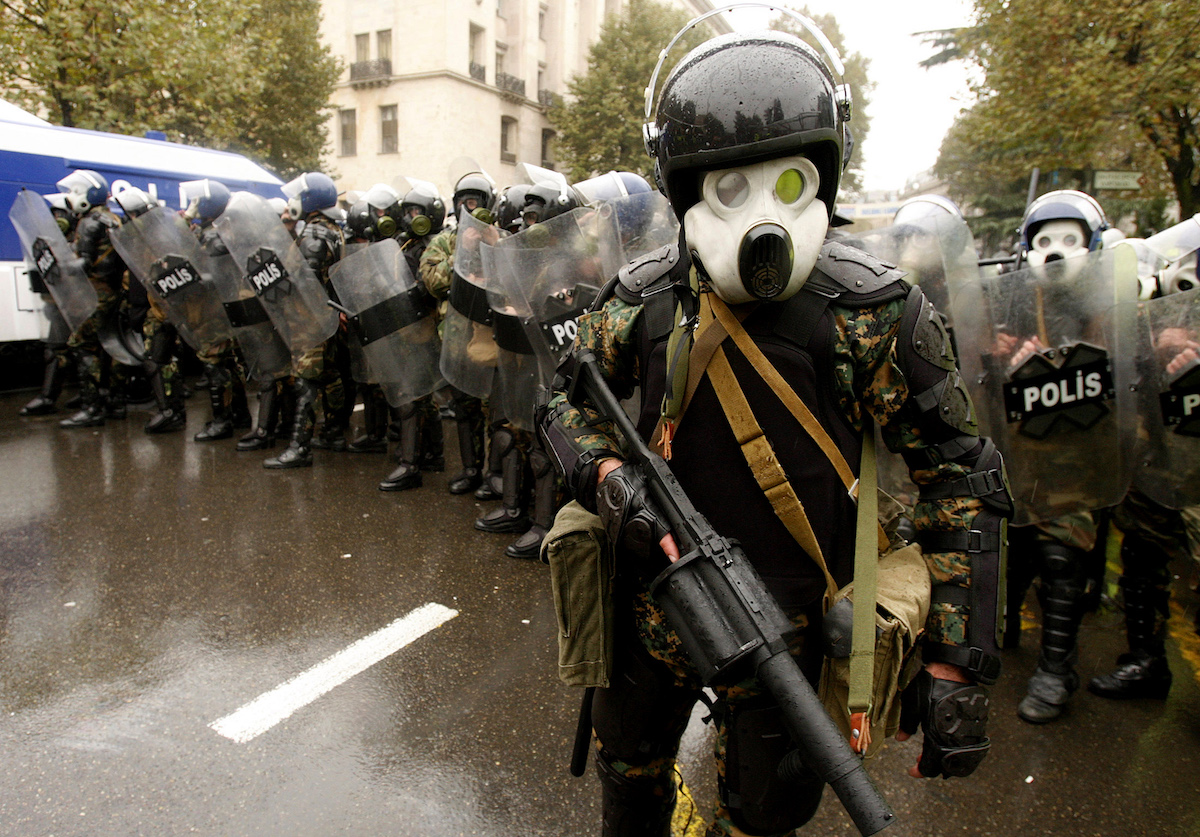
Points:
(987, 544)
(577, 464)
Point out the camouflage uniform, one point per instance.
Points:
(866, 383)
(106, 272)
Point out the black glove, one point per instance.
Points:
(954, 717)
(628, 514)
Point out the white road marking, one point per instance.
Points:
(267, 710)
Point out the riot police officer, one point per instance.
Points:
(748, 144)
(86, 196)
(312, 198)
(55, 355)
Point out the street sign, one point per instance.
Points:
(1117, 180)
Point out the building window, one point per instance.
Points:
(477, 68)
(362, 47)
(542, 10)
(383, 44)
(348, 132)
(548, 137)
(389, 131)
(508, 139)
(501, 51)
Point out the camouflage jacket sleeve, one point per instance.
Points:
(870, 375)
(579, 438)
(437, 264)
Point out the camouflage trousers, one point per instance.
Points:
(156, 332)
(96, 370)
(224, 355)
(671, 710)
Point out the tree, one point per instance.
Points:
(1072, 86)
(600, 125)
(856, 76)
(228, 74)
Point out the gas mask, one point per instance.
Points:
(757, 230)
(1058, 239)
(1179, 276)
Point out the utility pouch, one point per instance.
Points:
(582, 566)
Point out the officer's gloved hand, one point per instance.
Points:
(630, 517)
(954, 717)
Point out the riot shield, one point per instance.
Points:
(645, 222)
(936, 252)
(1177, 247)
(47, 251)
(469, 351)
(1047, 356)
(547, 275)
(1168, 462)
(266, 356)
(165, 256)
(120, 339)
(391, 321)
(276, 271)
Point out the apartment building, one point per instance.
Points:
(429, 82)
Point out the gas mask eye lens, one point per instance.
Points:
(732, 189)
(790, 186)
(1043, 242)
(1070, 241)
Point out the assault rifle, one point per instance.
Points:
(730, 623)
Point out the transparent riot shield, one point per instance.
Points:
(1177, 247)
(936, 252)
(550, 273)
(164, 255)
(391, 321)
(276, 271)
(1047, 356)
(47, 251)
(645, 222)
(469, 352)
(267, 357)
(1168, 462)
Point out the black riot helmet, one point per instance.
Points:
(360, 220)
(475, 185)
(509, 205)
(423, 211)
(741, 99)
(544, 201)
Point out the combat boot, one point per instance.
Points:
(1060, 595)
(331, 438)
(299, 452)
(374, 438)
(407, 473)
(91, 412)
(510, 517)
(263, 435)
(1143, 672)
(52, 381)
(545, 504)
(170, 415)
(470, 477)
(221, 424)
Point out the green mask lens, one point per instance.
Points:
(421, 225)
(790, 186)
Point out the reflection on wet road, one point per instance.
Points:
(153, 588)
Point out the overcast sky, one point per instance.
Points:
(911, 108)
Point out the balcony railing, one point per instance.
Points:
(548, 98)
(511, 84)
(379, 69)
(478, 72)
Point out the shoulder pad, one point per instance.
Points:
(844, 271)
(635, 278)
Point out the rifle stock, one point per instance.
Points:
(727, 619)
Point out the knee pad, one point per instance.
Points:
(503, 442)
(765, 789)
(642, 714)
(539, 462)
(1060, 562)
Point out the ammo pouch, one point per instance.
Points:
(901, 605)
(582, 567)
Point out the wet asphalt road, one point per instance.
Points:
(150, 586)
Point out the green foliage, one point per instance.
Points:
(1078, 86)
(600, 126)
(861, 86)
(235, 75)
